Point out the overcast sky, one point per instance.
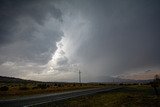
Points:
(50, 40)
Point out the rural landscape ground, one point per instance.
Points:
(14, 87)
(126, 94)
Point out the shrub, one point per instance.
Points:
(23, 88)
(121, 84)
(4, 88)
(42, 86)
(34, 88)
(101, 84)
(55, 84)
(60, 85)
(48, 86)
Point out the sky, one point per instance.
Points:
(51, 40)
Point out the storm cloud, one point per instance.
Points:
(23, 29)
(101, 38)
(125, 35)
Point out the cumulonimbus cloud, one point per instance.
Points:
(106, 38)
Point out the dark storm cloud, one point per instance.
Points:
(22, 29)
(125, 35)
(11, 11)
(103, 38)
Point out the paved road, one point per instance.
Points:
(41, 99)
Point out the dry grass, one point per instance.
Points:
(16, 90)
(133, 96)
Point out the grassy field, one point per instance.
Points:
(130, 96)
(11, 87)
(14, 90)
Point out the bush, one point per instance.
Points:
(42, 86)
(101, 84)
(4, 88)
(34, 88)
(121, 84)
(60, 85)
(55, 84)
(48, 86)
(23, 88)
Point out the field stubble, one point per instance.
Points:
(130, 96)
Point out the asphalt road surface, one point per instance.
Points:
(47, 98)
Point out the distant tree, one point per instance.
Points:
(157, 78)
(155, 84)
(4, 88)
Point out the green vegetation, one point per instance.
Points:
(129, 96)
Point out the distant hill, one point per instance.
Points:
(109, 79)
(119, 80)
(4, 79)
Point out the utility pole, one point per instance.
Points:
(79, 76)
